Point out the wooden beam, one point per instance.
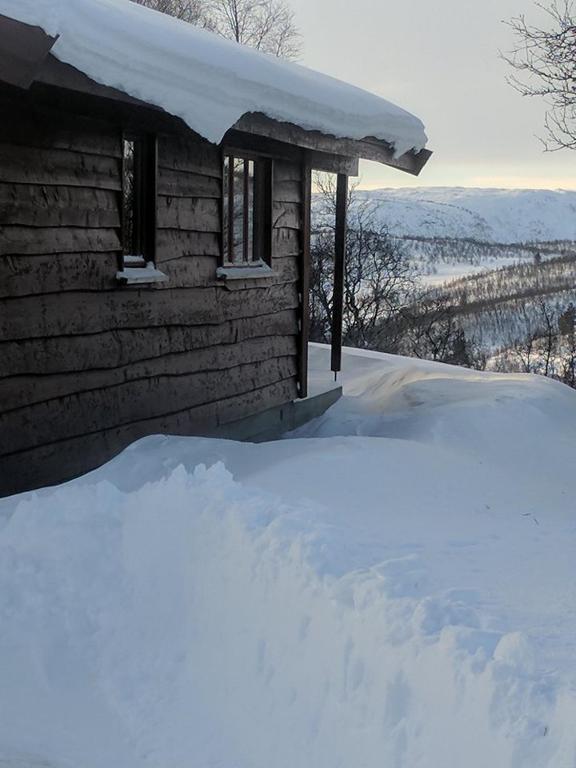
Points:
(339, 270)
(23, 50)
(304, 288)
(368, 148)
(249, 143)
(151, 197)
(246, 255)
(230, 255)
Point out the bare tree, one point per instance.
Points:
(545, 65)
(431, 331)
(567, 333)
(193, 11)
(549, 325)
(377, 280)
(267, 25)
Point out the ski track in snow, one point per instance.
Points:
(391, 586)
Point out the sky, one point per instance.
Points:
(440, 60)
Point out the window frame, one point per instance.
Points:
(140, 267)
(260, 264)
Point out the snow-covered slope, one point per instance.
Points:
(392, 587)
(492, 215)
(207, 81)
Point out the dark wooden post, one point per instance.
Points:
(231, 256)
(150, 180)
(304, 291)
(339, 268)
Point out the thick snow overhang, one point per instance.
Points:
(214, 85)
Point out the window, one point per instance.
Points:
(247, 213)
(139, 182)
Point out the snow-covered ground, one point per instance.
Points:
(391, 587)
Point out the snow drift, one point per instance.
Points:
(207, 81)
(392, 586)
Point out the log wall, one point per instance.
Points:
(86, 366)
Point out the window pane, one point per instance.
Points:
(129, 198)
(239, 210)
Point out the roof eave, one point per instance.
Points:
(23, 51)
(258, 124)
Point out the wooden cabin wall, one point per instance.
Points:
(86, 366)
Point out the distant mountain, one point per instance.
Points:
(489, 215)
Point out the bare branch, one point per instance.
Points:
(544, 61)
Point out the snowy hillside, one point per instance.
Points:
(392, 587)
(492, 215)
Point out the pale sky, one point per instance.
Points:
(439, 59)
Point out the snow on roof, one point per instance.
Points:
(207, 81)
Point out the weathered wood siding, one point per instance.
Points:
(86, 367)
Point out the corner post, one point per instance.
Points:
(339, 270)
(304, 288)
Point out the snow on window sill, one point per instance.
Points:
(244, 271)
(141, 275)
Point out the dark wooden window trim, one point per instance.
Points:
(259, 262)
(139, 265)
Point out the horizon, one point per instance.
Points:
(489, 188)
(449, 74)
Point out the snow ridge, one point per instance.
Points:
(488, 215)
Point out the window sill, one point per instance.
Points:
(244, 272)
(141, 276)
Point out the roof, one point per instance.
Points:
(207, 81)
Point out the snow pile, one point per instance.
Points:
(489, 215)
(207, 81)
(392, 586)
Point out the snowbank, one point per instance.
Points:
(392, 586)
(207, 81)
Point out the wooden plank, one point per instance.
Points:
(21, 392)
(190, 272)
(131, 401)
(288, 191)
(40, 240)
(196, 271)
(189, 214)
(28, 165)
(57, 206)
(305, 269)
(285, 242)
(44, 465)
(285, 171)
(38, 126)
(35, 275)
(182, 184)
(287, 215)
(119, 347)
(247, 145)
(339, 271)
(185, 153)
(74, 313)
(175, 244)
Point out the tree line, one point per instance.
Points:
(267, 25)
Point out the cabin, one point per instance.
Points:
(155, 204)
